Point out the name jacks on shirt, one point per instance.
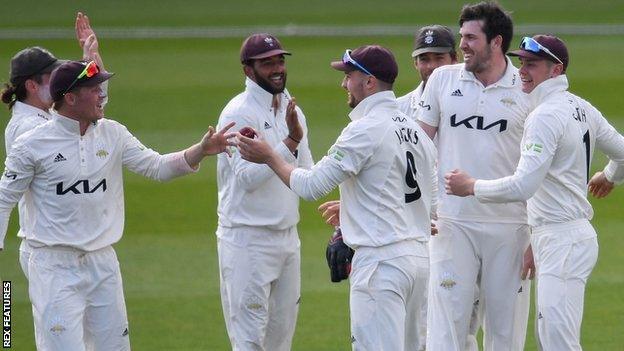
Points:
(406, 135)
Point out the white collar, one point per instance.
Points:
(372, 101)
(21, 108)
(69, 124)
(547, 88)
(264, 97)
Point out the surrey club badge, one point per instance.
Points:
(429, 37)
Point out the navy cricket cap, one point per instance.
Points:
(32, 61)
(434, 38)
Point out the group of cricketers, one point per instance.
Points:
(450, 196)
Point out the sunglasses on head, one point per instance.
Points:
(89, 71)
(346, 58)
(530, 44)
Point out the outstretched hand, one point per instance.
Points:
(215, 143)
(599, 186)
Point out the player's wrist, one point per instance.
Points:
(296, 140)
(272, 159)
(296, 134)
(471, 187)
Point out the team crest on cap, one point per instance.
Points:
(269, 41)
(429, 37)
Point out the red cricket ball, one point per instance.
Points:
(248, 132)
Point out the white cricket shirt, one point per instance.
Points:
(251, 194)
(560, 136)
(479, 131)
(76, 181)
(24, 118)
(408, 103)
(385, 165)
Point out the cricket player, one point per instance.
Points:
(560, 136)
(384, 165)
(72, 167)
(257, 239)
(434, 47)
(28, 97)
(477, 111)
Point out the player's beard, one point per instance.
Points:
(269, 85)
(480, 61)
(352, 101)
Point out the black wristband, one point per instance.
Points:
(293, 139)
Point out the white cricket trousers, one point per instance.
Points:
(24, 257)
(471, 259)
(388, 285)
(565, 254)
(77, 300)
(260, 286)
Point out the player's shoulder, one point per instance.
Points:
(553, 113)
(241, 104)
(404, 98)
(445, 75)
(37, 128)
(33, 136)
(19, 126)
(110, 124)
(579, 101)
(448, 71)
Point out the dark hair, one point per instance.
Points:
(58, 104)
(496, 21)
(453, 54)
(19, 90)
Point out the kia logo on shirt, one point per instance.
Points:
(479, 125)
(81, 187)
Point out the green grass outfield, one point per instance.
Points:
(168, 91)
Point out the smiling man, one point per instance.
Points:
(27, 95)
(384, 166)
(477, 111)
(258, 243)
(72, 165)
(559, 138)
(434, 47)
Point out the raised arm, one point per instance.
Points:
(87, 40)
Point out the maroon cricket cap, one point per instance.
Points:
(555, 45)
(259, 46)
(65, 75)
(32, 61)
(376, 59)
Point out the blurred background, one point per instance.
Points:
(177, 65)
